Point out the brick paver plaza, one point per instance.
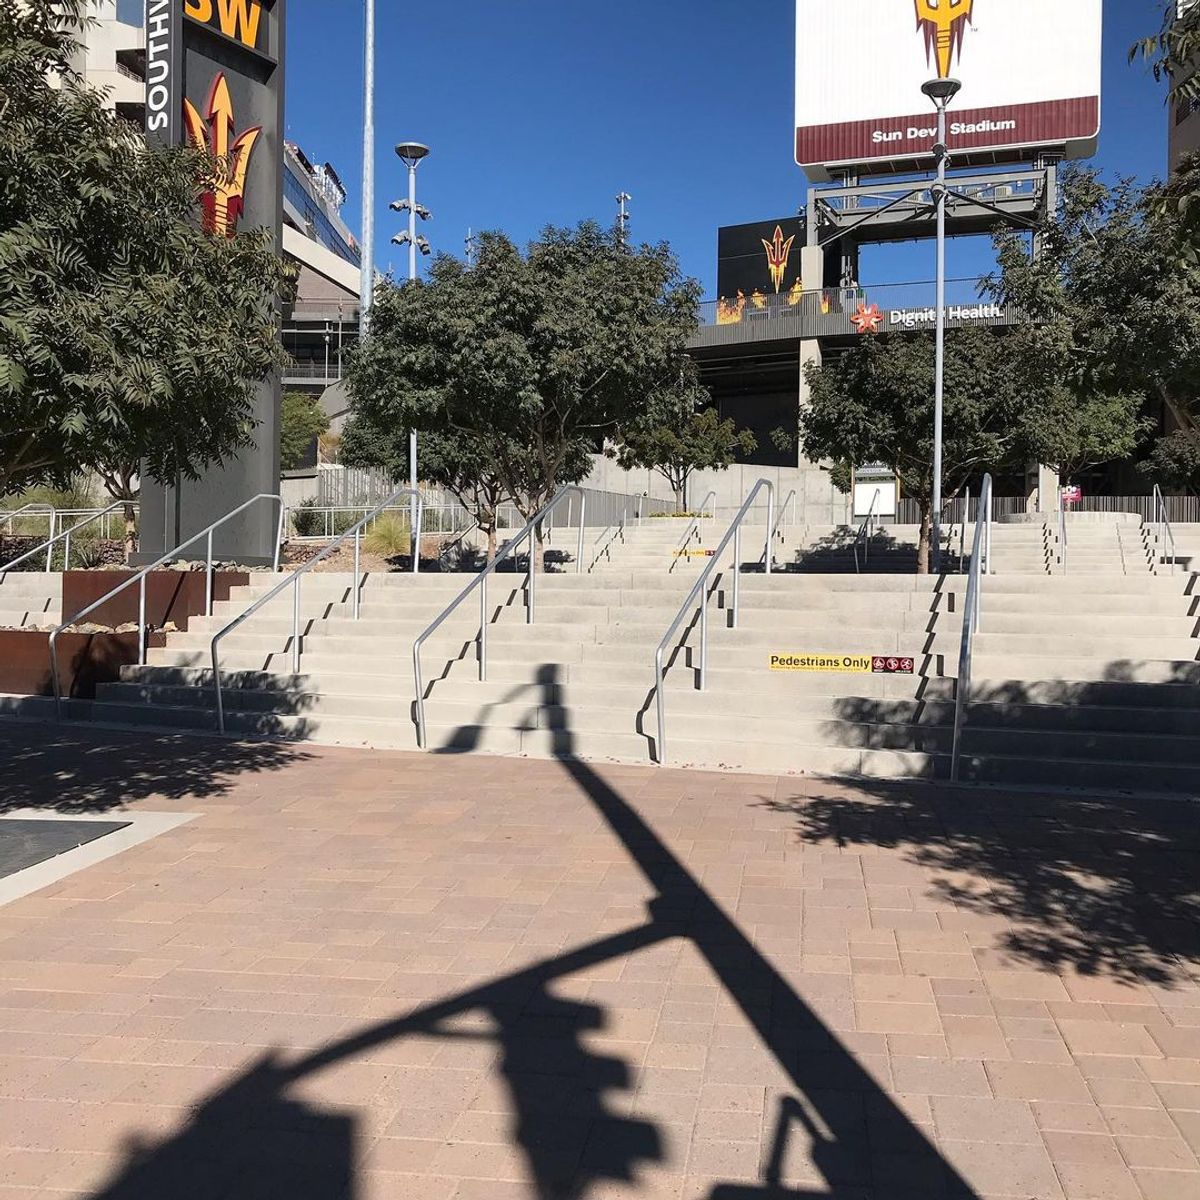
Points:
(373, 975)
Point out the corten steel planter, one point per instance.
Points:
(170, 595)
(84, 660)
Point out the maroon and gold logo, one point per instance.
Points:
(778, 253)
(943, 22)
(213, 133)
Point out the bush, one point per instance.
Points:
(308, 522)
(389, 537)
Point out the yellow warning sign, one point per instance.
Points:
(694, 553)
(842, 664)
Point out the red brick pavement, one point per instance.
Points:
(364, 975)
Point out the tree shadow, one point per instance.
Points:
(573, 1138)
(68, 769)
(1106, 886)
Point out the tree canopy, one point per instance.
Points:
(127, 334)
(302, 420)
(1114, 300)
(530, 360)
(875, 404)
(689, 438)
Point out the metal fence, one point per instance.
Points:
(1181, 510)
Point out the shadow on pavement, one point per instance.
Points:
(254, 1139)
(70, 770)
(1106, 886)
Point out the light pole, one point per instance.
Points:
(411, 154)
(941, 92)
(623, 199)
(366, 284)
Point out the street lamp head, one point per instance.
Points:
(411, 153)
(942, 91)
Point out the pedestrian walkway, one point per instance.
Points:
(450, 977)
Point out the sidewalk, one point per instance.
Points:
(368, 975)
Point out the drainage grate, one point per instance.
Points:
(26, 843)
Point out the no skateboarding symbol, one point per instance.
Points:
(891, 666)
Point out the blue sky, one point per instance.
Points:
(542, 110)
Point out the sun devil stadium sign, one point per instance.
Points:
(1030, 71)
(214, 80)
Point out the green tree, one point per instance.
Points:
(463, 463)
(541, 357)
(689, 439)
(302, 421)
(1114, 300)
(1174, 49)
(126, 333)
(875, 404)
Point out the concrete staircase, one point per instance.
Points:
(1078, 682)
(30, 600)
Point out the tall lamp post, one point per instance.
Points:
(366, 285)
(411, 154)
(941, 92)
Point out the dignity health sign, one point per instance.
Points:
(1030, 71)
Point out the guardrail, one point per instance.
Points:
(63, 537)
(1163, 535)
(981, 551)
(1062, 538)
(700, 592)
(693, 529)
(480, 581)
(293, 581)
(140, 579)
(790, 499)
(865, 532)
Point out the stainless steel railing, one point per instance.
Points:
(865, 532)
(140, 579)
(36, 509)
(293, 581)
(481, 581)
(1164, 537)
(699, 595)
(605, 552)
(1062, 536)
(790, 499)
(692, 530)
(980, 566)
(64, 537)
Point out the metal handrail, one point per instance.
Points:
(700, 591)
(293, 581)
(980, 565)
(866, 530)
(65, 536)
(1062, 536)
(617, 529)
(791, 499)
(962, 530)
(693, 528)
(480, 582)
(140, 579)
(34, 508)
(1163, 533)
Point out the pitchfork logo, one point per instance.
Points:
(213, 132)
(778, 252)
(943, 22)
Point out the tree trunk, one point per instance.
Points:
(680, 501)
(539, 549)
(131, 531)
(923, 547)
(491, 543)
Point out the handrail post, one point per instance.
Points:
(208, 577)
(142, 623)
(737, 571)
(50, 543)
(704, 641)
(296, 627)
(582, 519)
(357, 558)
(529, 586)
(483, 624)
(67, 552)
(770, 527)
(279, 535)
